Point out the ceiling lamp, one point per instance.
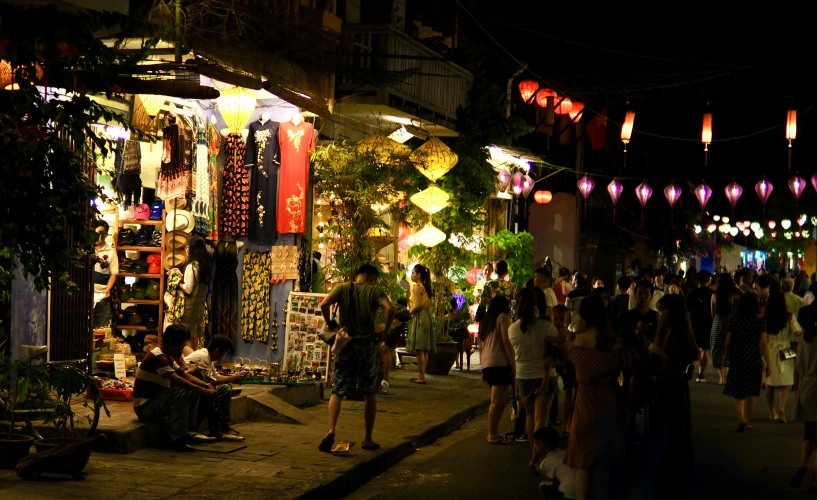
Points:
(614, 189)
(706, 135)
(542, 97)
(431, 200)
(429, 236)
(152, 104)
(733, 192)
(382, 147)
(703, 192)
(576, 111)
(764, 189)
(380, 237)
(563, 107)
(434, 159)
(236, 106)
(542, 197)
(585, 185)
(527, 88)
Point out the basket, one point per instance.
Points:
(116, 394)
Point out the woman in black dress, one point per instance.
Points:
(744, 346)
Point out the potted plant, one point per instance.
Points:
(13, 446)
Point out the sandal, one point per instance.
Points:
(326, 444)
(371, 447)
(417, 381)
(500, 440)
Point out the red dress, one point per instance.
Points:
(595, 419)
(296, 142)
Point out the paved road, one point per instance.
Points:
(754, 465)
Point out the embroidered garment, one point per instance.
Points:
(171, 174)
(235, 208)
(262, 162)
(255, 296)
(187, 139)
(296, 142)
(213, 148)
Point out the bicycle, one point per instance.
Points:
(54, 393)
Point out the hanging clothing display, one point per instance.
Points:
(213, 148)
(296, 141)
(225, 290)
(171, 174)
(174, 298)
(262, 162)
(129, 172)
(187, 139)
(201, 187)
(235, 206)
(255, 296)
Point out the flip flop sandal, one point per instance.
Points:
(371, 447)
(501, 440)
(416, 381)
(326, 444)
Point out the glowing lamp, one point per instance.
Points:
(755, 226)
(576, 111)
(801, 221)
(747, 223)
(382, 147)
(542, 97)
(10, 76)
(706, 132)
(805, 233)
(6, 74)
(586, 185)
(725, 219)
(472, 276)
(643, 192)
(697, 229)
(673, 194)
(733, 231)
(702, 193)
(814, 181)
(772, 224)
(746, 232)
(759, 233)
(796, 185)
(517, 181)
(542, 197)
(774, 234)
(786, 223)
(764, 189)
(379, 237)
(563, 106)
(627, 128)
(740, 225)
(527, 88)
(791, 125)
(434, 159)
(797, 234)
(527, 185)
(788, 235)
(431, 200)
(716, 218)
(429, 236)
(504, 178)
(711, 228)
(236, 106)
(152, 103)
(473, 329)
(733, 192)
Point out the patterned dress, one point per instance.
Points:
(745, 364)
(262, 162)
(420, 334)
(255, 296)
(213, 148)
(235, 209)
(595, 416)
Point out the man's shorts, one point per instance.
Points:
(355, 369)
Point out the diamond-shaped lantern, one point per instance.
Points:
(733, 192)
(814, 181)
(380, 237)
(504, 180)
(614, 189)
(764, 189)
(585, 185)
(797, 184)
(527, 185)
(434, 159)
(429, 236)
(517, 183)
(643, 192)
(431, 200)
(382, 147)
(703, 192)
(672, 193)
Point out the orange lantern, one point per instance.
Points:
(576, 111)
(542, 97)
(791, 125)
(706, 133)
(527, 88)
(627, 128)
(563, 106)
(543, 197)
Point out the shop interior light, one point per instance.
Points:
(434, 159)
(429, 236)
(236, 106)
(431, 200)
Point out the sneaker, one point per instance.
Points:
(522, 439)
(384, 384)
(232, 438)
(201, 438)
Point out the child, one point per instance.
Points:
(560, 480)
(561, 319)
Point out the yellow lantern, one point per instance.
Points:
(431, 200)
(236, 106)
(429, 236)
(382, 147)
(380, 237)
(434, 159)
(6, 75)
(380, 208)
(152, 103)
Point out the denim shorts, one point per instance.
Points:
(527, 387)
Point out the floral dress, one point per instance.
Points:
(420, 334)
(235, 207)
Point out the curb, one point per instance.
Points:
(366, 470)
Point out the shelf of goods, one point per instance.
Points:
(157, 303)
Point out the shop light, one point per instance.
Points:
(431, 200)
(236, 106)
(429, 236)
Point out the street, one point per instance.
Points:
(753, 465)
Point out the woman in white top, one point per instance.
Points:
(487, 271)
(781, 328)
(197, 276)
(535, 369)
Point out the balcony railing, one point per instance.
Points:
(418, 79)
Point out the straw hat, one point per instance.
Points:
(176, 240)
(176, 203)
(174, 259)
(180, 220)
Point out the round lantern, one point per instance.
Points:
(702, 193)
(472, 276)
(542, 197)
(563, 106)
(434, 159)
(527, 88)
(576, 111)
(772, 224)
(542, 97)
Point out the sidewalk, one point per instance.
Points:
(280, 460)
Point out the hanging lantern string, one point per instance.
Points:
(696, 180)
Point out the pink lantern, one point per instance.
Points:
(614, 189)
(733, 192)
(517, 181)
(504, 178)
(797, 184)
(643, 192)
(527, 185)
(472, 276)
(672, 193)
(814, 181)
(764, 189)
(703, 192)
(586, 185)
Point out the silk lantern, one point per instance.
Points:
(733, 192)
(614, 189)
(542, 197)
(814, 181)
(429, 236)
(764, 189)
(504, 178)
(527, 88)
(585, 185)
(703, 192)
(434, 159)
(791, 129)
(517, 182)
(627, 132)
(772, 224)
(472, 276)
(786, 223)
(382, 147)
(576, 111)
(152, 103)
(562, 106)
(706, 135)
(542, 97)
(796, 185)
(672, 193)
(431, 200)
(236, 106)
(527, 185)
(643, 192)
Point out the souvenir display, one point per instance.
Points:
(284, 263)
(305, 355)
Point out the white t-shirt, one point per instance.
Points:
(201, 358)
(550, 298)
(529, 347)
(553, 467)
(107, 262)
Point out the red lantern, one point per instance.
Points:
(542, 197)
(576, 111)
(563, 106)
(527, 88)
(472, 276)
(703, 192)
(542, 97)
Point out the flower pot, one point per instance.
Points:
(12, 450)
(79, 460)
(440, 362)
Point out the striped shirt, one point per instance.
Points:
(151, 378)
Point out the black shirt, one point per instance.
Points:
(699, 306)
(619, 305)
(628, 322)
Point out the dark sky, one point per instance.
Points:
(672, 64)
